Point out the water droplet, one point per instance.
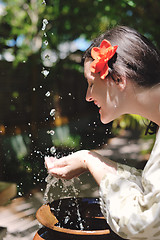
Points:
(52, 112)
(66, 219)
(52, 150)
(45, 72)
(43, 2)
(51, 132)
(45, 22)
(47, 94)
(46, 42)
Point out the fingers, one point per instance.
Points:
(60, 172)
(56, 166)
(66, 167)
(59, 168)
(49, 162)
(54, 162)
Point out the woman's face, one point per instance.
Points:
(104, 94)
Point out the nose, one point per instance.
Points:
(88, 96)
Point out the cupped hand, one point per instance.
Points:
(79, 162)
(67, 167)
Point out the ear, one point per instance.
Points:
(121, 82)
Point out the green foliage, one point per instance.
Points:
(69, 19)
(130, 121)
(71, 142)
(21, 22)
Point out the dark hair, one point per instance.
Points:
(136, 57)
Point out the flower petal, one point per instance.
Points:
(95, 52)
(105, 44)
(104, 71)
(111, 52)
(100, 65)
(102, 55)
(97, 66)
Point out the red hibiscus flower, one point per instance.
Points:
(101, 56)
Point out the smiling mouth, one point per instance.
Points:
(95, 102)
(97, 105)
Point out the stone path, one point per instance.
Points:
(18, 217)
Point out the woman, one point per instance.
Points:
(122, 68)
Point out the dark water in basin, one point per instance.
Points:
(77, 214)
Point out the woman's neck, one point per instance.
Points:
(145, 102)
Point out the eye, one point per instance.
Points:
(91, 85)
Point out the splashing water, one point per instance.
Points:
(46, 42)
(48, 94)
(43, 2)
(51, 182)
(45, 72)
(66, 186)
(45, 22)
(51, 132)
(52, 112)
(79, 220)
(53, 150)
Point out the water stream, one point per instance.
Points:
(67, 187)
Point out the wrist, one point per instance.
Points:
(84, 158)
(89, 158)
(98, 165)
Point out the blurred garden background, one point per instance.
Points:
(42, 93)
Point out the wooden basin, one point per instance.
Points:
(78, 219)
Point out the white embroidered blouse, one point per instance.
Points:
(130, 200)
